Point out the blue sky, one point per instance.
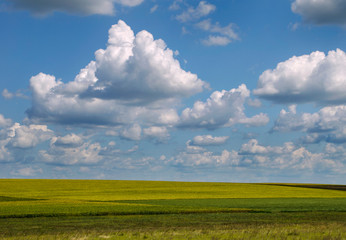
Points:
(237, 91)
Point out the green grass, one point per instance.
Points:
(60, 209)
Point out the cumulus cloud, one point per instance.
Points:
(192, 159)
(84, 7)
(207, 140)
(321, 11)
(222, 109)
(71, 150)
(328, 124)
(22, 136)
(70, 140)
(253, 155)
(133, 132)
(317, 78)
(203, 9)
(160, 133)
(135, 77)
(4, 122)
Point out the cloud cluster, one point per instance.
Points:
(328, 124)
(222, 109)
(252, 155)
(207, 140)
(84, 7)
(317, 78)
(321, 12)
(218, 35)
(135, 79)
(70, 150)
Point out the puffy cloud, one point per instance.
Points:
(321, 11)
(315, 78)
(5, 153)
(70, 140)
(222, 109)
(206, 140)
(4, 122)
(136, 78)
(203, 9)
(252, 155)
(226, 34)
(22, 136)
(328, 124)
(161, 133)
(71, 153)
(132, 132)
(192, 159)
(84, 7)
(140, 69)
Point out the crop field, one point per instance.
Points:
(90, 209)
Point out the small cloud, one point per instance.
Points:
(9, 95)
(216, 41)
(175, 5)
(203, 9)
(293, 26)
(207, 140)
(254, 103)
(154, 8)
(27, 172)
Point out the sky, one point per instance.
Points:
(177, 90)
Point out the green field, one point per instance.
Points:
(89, 209)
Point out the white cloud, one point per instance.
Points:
(315, 78)
(161, 133)
(192, 159)
(84, 7)
(207, 140)
(226, 34)
(9, 95)
(4, 122)
(254, 103)
(216, 41)
(203, 9)
(136, 78)
(252, 155)
(132, 132)
(70, 140)
(222, 109)
(321, 11)
(175, 5)
(27, 172)
(86, 153)
(328, 124)
(154, 8)
(22, 136)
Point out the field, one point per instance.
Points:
(89, 209)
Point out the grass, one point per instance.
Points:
(83, 209)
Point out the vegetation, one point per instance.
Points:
(85, 209)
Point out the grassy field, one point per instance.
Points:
(89, 209)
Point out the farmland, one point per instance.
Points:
(90, 209)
